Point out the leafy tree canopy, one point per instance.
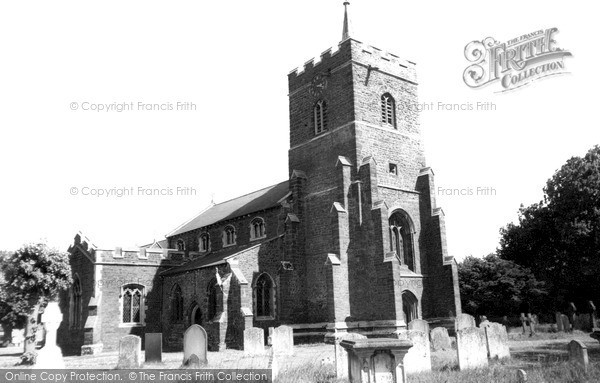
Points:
(559, 237)
(30, 277)
(496, 287)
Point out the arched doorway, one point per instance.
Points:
(196, 316)
(409, 306)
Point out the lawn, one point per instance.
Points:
(543, 357)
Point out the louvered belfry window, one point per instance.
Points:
(320, 117)
(388, 110)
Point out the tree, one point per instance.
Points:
(33, 276)
(496, 287)
(559, 237)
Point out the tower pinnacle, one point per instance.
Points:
(346, 30)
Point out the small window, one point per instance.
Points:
(264, 297)
(177, 304)
(180, 245)
(393, 169)
(320, 117)
(75, 300)
(229, 236)
(132, 298)
(388, 110)
(213, 299)
(257, 229)
(204, 243)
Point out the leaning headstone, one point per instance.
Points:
(472, 348)
(254, 341)
(565, 323)
(130, 352)
(440, 339)
(153, 347)
(419, 324)
(418, 358)
(521, 376)
(578, 353)
(497, 341)
(559, 322)
(282, 340)
(51, 355)
(341, 354)
(195, 342)
(464, 321)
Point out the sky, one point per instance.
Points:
(218, 71)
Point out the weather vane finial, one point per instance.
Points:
(346, 30)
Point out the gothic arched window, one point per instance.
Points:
(177, 304)
(401, 239)
(264, 297)
(257, 228)
(75, 317)
(388, 109)
(132, 299)
(229, 236)
(320, 116)
(213, 301)
(204, 243)
(180, 245)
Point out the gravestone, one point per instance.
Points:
(50, 356)
(472, 348)
(341, 355)
(418, 358)
(130, 352)
(559, 322)
(592, 310)
(583, 322)
(578, 353)
(497, 341)
(565, 323)
(419, 324)
(282, 340)
(376, 360)
(521, 376)
(464, 321)
(195, 342)
(254, 341)
(440, 339)
(153, 346)
(17, 337)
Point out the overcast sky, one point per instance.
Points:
(231, 60)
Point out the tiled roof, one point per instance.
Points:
(213, 259)
(246, 204)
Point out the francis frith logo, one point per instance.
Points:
(515, 63)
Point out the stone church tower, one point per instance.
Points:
(375, 248)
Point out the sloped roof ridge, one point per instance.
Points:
(247, 194)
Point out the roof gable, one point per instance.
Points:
(256, 201)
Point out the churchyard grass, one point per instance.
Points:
(544, 359)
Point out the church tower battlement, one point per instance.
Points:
(372, 230)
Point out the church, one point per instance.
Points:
(351, 241)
